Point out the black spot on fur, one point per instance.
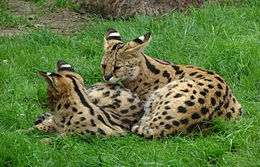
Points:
(176, 123)
(226, 104)
(189, 85)
(164, 113)
(131, 100)
(166, 74)
(168, 94)
(124, 111)
(213, 101)
(240, 111)
(194, 91)
(69, 121)
(106, 94)
(233, 110)
(168, 126)
(95, 101)
(189, 103)
(93, 123)
(177, 95)
(184, 121)
(82, 118)
(175, 67)
(116, 94)
(100, 89)
(63, 120)
(127, 121)
(67, 105)
(167, 107)
(206, 90)
(228, 115)
(210, 72)
(191, 128)
(203, 93)
(182, 76)
(155, 82)
(169, 80)
(135, 88)
(185, 90)
(195, 116)
(218, 93)
(219, 86)
(168, 117)
(220, 113)
(179, 72)
(156, 87)
(101, 131)
(182, 109)
(221, 80)
(59, 106)
(133, 107)
(166, 102)
(204, 110)
(201, 101)
(192, 74)
(199, 76)
(210, 117)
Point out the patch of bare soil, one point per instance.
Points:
(60, 21)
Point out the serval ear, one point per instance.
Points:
(50, 78)
(65, 68)
(111, 38)
(137, 45)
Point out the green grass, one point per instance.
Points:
(55, 4)
(232, 49)
(9, 20)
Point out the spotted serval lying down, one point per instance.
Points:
(102, 109)
(180, 98)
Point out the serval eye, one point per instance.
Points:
(104, 66)
(116, 68)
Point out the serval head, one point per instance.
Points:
(121, 60)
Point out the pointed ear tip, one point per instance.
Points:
(41, 72)
(110, 30)
(60, 62)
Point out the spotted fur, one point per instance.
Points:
(102, 109)
(179, 98)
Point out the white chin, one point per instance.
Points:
(111, 80)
